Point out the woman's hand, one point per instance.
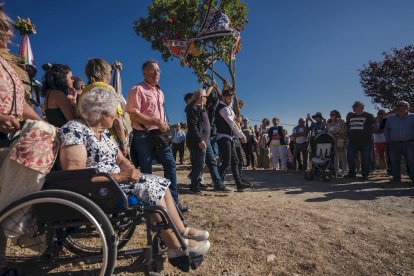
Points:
(135, 175)
(9, 124)
(72, 96)
(127, 176)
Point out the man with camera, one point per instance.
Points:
(145, 106)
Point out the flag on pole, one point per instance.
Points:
(215, 24)
(25, 50)
(177, 47)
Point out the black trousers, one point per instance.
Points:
(180, 148)
(229, 158)
(248, 151)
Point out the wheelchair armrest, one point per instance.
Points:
(72, 174)
(107, 195)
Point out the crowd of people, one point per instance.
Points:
(362, 142)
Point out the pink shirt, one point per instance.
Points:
(147, 100)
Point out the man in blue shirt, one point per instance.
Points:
(399, 134)
(178, 143)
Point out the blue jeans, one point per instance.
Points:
(145, 152)
(199, 158)
(397, 150)
(366, 153)
(214, 146)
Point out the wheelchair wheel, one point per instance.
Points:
(32, 229)
(74, 239)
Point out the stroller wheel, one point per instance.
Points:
(308, 175)
(326, 177)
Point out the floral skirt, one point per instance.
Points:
(149, 189)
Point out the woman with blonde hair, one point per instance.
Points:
(98, 72)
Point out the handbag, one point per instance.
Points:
(340, 143)
(161, 139)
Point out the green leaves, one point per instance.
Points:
(390, 80)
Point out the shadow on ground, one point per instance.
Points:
(294, 183)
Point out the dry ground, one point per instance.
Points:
(311, 227)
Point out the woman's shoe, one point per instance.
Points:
(200, 235)
(201, 248)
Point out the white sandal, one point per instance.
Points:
(200, 235)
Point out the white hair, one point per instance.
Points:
(97, 101)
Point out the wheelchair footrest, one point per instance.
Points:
(184, 263)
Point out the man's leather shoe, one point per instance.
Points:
(202, 186)
(221, 189)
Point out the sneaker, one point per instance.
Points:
(221, 189)
(201, 248)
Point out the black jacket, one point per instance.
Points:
(198, 125)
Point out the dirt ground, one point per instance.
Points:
(285, 225)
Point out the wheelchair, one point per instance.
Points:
(77, 225)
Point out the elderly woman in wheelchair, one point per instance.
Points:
(86, 143)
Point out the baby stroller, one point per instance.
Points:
(322, 158)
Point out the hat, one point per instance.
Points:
(200, 93)
(318, 114)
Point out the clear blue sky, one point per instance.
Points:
(297, 56)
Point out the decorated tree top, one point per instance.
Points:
(25, 26)
(182, 21)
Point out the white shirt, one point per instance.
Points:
(228, 115)
(299, 139)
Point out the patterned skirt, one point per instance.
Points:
(149, 189)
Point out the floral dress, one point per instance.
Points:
(102, 155)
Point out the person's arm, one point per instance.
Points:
(225, 113)
(193, 118)
(63, 104)
(29, 113)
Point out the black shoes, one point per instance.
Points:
(221, 189)
(195, 191)
(350, 176)
(202, 186)
(246, 183)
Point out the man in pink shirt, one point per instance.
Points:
(145, 106)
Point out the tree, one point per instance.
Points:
(391, 80)
(182, 19)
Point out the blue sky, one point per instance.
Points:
(297, 56)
